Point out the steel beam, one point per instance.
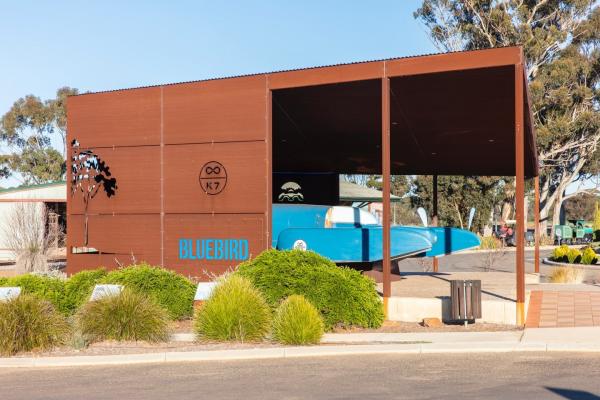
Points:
(536, 218)
(386, 175)
(434, 216)
(520, 193)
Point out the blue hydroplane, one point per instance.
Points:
(353, 235)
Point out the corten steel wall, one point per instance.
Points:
(155, 141)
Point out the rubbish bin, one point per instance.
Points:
(465, 300)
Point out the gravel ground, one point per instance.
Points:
(406, 327)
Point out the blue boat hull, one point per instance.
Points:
(448, 240)
(304, 226)
(355, 245)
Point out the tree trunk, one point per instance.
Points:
(557, 206)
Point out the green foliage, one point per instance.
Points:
(44, 287)
(596, 224)
(580, 207)
(559, 254)
(297, 321)
(489, 243)
(28, 127)
(589, 256)
(235, 311)
(172, 291)
(36, 164)
(30, 323)
(343, 296)
(79, 287)
(561, 45)
(574, 256)
(130, 315)
(457, 195)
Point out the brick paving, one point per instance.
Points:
(563, 309)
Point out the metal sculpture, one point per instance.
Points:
(89, 173)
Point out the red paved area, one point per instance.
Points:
(563, 309)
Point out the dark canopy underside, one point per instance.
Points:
(449, 123)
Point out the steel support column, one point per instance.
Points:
(536, 219)
(520, 193)
(386, 175)
(434, 216)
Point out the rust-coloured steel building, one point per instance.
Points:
(192, 164)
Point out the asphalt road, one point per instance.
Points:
(474, 376)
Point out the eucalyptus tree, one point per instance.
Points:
(561, 41)
(25, 136)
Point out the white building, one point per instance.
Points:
(53, 195)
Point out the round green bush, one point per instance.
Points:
(297, 321)
(172, 291)
(235, 311)
(30, 323)
(44, 287)
(79, 287)
(129, 315)
(342, 295)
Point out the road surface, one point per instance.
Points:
(381, 377)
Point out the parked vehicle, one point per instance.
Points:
(575, 232)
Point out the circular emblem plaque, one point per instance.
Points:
(213, 177)
(299, 245)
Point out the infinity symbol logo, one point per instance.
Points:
(213, 170)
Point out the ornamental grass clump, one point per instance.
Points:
(574, 256)
(559, 254)
(129, 315)
(589, 256)
(235, 311)
(29, 323)
(566, 275)
(297, 321)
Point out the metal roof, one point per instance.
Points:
(285, 70)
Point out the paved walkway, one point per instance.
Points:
(548, 309)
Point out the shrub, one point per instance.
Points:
(235, 311)
(574, 256)
(589, 256)
(129, 315)
(297, 321)
(30, 323)
(343, 296)
(44, 287)
(489, 243)
(79, 287)
(172, 291)
(559, 253)
(566, 275)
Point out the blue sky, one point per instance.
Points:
(115, 44)
(105, 45)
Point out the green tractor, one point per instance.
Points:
(574, 233)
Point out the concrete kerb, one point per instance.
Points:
(592, 267)
(472, 342)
